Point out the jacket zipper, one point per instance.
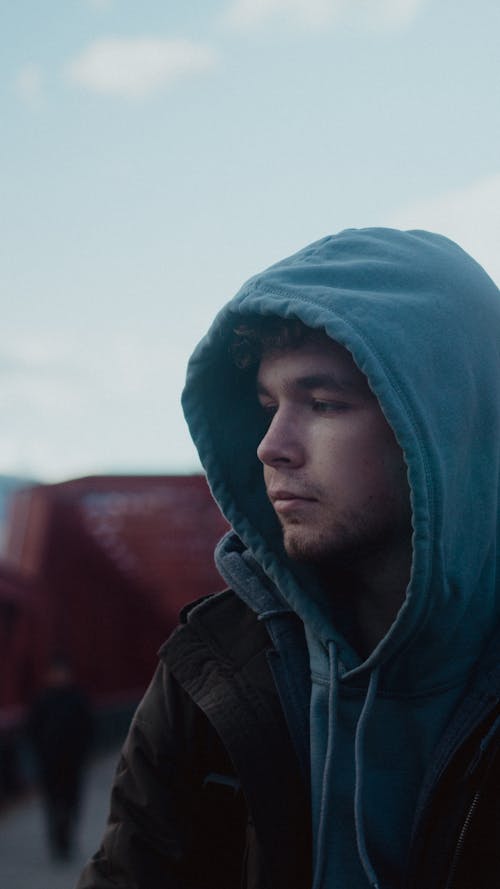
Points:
(461, 840)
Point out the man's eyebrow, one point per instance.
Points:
(328, 381)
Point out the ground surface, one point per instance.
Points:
(24, 859)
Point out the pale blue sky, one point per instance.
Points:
(155, 154)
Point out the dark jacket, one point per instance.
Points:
(208, 792)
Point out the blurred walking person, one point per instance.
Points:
(60, 728)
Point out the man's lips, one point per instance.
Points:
(286, 501)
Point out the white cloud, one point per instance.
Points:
(136, 67)
(29, 83)
(469, 215)
(312, 13)
(392, 14)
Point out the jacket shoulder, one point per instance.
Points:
(219, 627)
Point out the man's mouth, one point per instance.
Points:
(287, 501)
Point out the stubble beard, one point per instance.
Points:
(318, 546)
(347, 542)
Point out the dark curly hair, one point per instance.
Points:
(262, 333)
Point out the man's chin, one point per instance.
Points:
(320, 548)
(302, 548)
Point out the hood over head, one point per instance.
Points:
(422, 321)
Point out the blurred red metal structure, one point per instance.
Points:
(98, 569)
(19, 639)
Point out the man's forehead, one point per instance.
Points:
(317, 360)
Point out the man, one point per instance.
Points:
(60, 726)
(333, 718)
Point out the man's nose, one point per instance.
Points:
(281, 443)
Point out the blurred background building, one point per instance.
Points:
(95, 571)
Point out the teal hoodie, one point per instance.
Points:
(422, 321)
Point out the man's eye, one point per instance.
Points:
(268, 410)
(324, 407)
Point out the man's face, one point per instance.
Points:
(333, 470)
